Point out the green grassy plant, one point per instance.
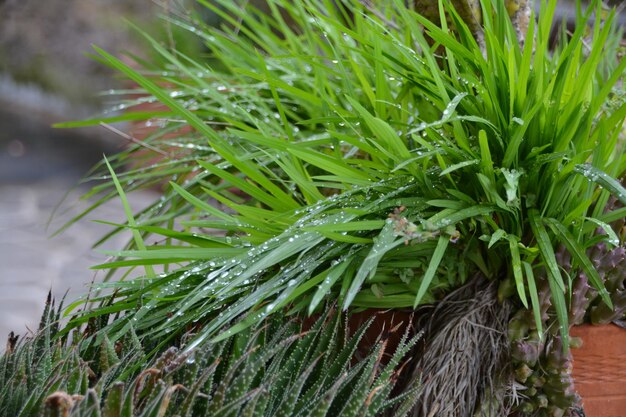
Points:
(353, 162)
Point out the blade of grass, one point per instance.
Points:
(578, 253)
(602, 179)
(517, 268)
(433, 265)
(129, 216)
(534, 296)
(555, 280)
(385, 241)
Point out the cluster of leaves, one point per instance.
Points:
(332, 150)
(353, 162)
(540, 363)
(275, 369)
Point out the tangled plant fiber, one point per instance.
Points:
(463, 364)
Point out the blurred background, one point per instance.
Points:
(46, 76)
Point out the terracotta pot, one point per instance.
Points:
(389, 325)
(600, 369)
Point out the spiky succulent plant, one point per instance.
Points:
(277, 369)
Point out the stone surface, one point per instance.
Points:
(32, 262)
(46, 77)
(38, 167)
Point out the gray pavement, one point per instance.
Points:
(38, 166)
(32, 263)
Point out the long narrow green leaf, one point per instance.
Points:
(613, 239)
(459, 165)
(578, 253)
(517, 269)
(251, 189)
(206, 207)
(383, 131)
(129, 216)
(162, 94)
(126, 117)
(329, 164)
(545, 248)
(555, 280)
(385, 241)
(332, 275)
(451, 217)
(440, 250)
(348, 226)
(602, 179)
(182, 252)
(534, 296)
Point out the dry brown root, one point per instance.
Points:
(463, 364)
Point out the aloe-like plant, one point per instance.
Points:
(278, 368)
